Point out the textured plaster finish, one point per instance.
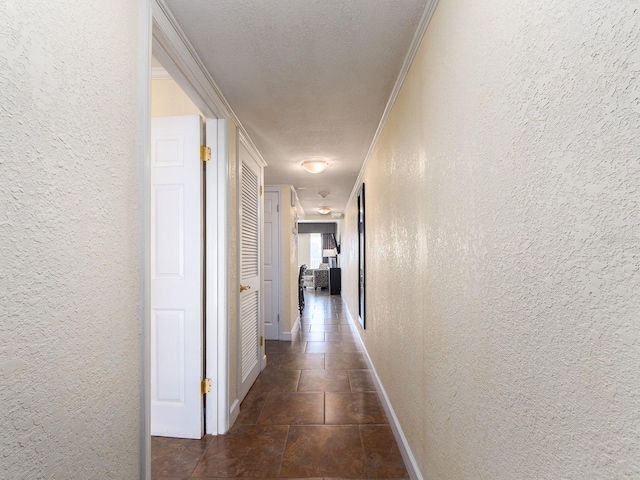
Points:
(306, 78)
(503, 233)
(69, 345)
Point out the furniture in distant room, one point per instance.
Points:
(321, 277)
(301, 273)
(335, 281)
(307, 277)
(317, 277)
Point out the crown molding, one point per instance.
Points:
(246, 140)
(406, 65)
(159, 73)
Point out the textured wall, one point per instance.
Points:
(503, 231)
(69, 347)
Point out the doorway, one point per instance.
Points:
(272, 278)
(188, 346)
(224, 134)
(177, 274)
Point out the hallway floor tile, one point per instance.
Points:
(312, 413)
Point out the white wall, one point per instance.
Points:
(503, 243)
(303, 248)
(168, 99)
(69, 364)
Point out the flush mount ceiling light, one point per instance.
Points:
(315, 166)
(324, 210)
(323, 194)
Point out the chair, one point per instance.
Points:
(307, 278)
(301, 273)
(321, 278)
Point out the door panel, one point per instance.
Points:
(250, 270)
(271, 291)
(176, 277)
(167, 327)
(249, 305)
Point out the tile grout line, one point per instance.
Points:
(364, 453)
(324, 408)
(284, 450)
(201, 458)
(262, 409)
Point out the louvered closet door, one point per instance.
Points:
(250, 268)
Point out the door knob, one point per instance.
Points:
(243, 287)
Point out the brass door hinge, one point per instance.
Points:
(261, 340)
(205, 153)
(205, 386)
(260, 189)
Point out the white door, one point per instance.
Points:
(250, 266)
(176, 277)
(271, 283)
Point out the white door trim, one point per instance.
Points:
(144, 227)
(217, 247)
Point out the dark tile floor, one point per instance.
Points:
(312, 413)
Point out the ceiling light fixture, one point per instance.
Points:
(324, 210)
(315, 166)
(323, 194)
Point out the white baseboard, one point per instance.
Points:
(407, 455)
(234, 412)
(287, 336)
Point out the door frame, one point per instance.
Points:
(278, 189)
(159, 32)
(171, 48)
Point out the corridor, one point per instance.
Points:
(312, 413)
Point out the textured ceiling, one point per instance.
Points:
(306, 79)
